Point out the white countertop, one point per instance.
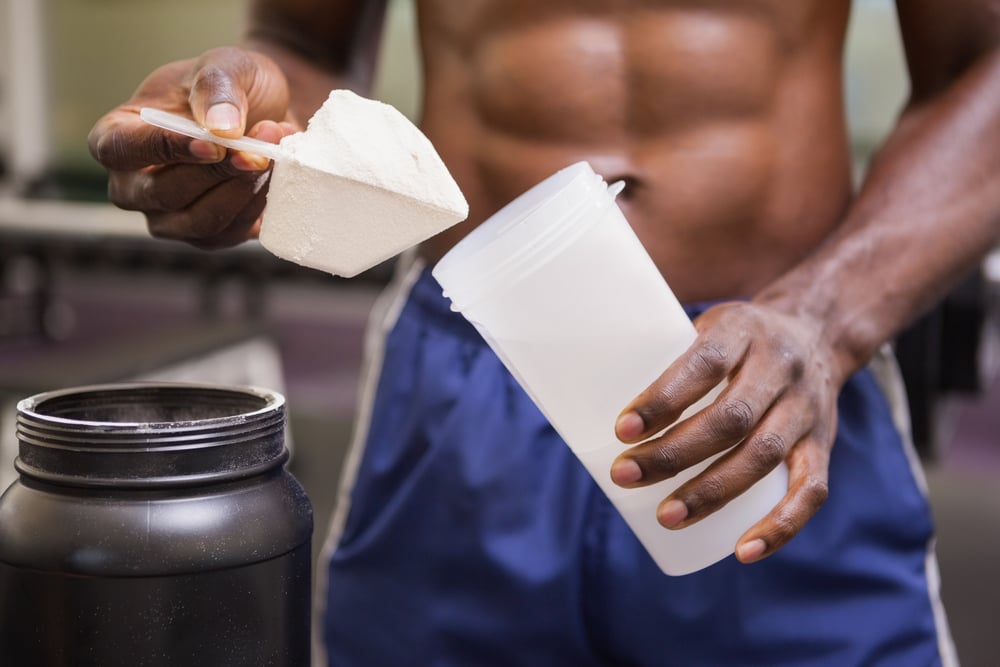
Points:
(69, 218)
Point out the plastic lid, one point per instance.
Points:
(523, 234)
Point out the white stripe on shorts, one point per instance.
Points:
(886, 372)
(384, 314)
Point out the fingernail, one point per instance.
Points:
(625, 471)
(222, 117)
(750, 551)
(206, 150)
(672, 513)
(629, 426)
(256, 162)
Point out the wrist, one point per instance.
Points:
(841, 331)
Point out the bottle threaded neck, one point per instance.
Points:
(150, 434)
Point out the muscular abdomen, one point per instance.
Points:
(724, 119)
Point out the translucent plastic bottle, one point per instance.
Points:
(154, 525)
(565, 294)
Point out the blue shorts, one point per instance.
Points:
(468, 535)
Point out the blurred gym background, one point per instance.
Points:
(87, 297)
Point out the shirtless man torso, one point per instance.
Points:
(724, 119)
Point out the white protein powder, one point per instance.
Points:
(360, 185)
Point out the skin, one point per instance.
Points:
(725, 120)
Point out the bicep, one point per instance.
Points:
(339, 35)
(944, 39)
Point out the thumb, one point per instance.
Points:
(232, 88)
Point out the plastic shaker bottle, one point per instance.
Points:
(562, 290)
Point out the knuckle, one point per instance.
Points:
(710, 493)
(218, 72)
(107, 147)
(735, 418)
(93, 139)
(124, 192)
(815, 491)
(158, 227)
(785, 527)
(161, 148)
(666, 460)
(788, 359)
(712, 358)
(150, 195)
(794, 364)
(211, 76)
(767, 450)
(98, 147)
(661, 405)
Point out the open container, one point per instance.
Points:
(154, 524)
(563, 291)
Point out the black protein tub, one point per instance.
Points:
(154, 525)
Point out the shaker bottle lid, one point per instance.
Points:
(523, 234)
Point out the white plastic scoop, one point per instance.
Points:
(360, 184)
(189, 128)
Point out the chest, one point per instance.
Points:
(471, 19)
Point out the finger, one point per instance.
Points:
(808, 467)
(121, 141)
(738, 469)
(170, 188)
(733, 416)
(246, 225)
(232, 88)
(702, 367)
(209, 216)
(265, 130)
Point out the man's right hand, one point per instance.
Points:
(193, 190)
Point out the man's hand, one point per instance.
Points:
(189, 189)
(780, 404)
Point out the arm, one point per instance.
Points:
(927, 214)
(297, 51)
(319, 45)
(929, 209)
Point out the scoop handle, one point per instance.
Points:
(189, 128)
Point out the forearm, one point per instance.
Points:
(319, 46)
(927, 213)
(309, 84)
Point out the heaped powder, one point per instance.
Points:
(363, 184)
